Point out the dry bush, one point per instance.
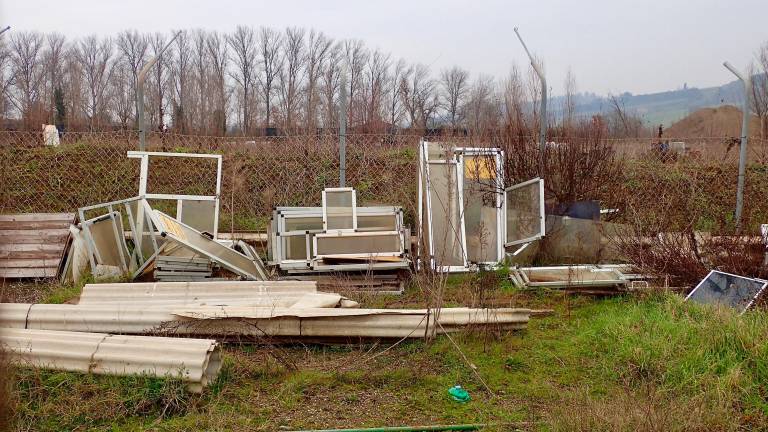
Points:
(679, 219)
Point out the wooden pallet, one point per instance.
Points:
(32, 245)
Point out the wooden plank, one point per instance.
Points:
(46, 255)
(34, 247)
(28, 273)
(34, 236)
(29, 263)
(33, 225)
(37, 217)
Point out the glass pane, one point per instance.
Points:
(368, 244)
(480, 208)
(729, 290)
(339, 209)
(303, 223)
(446, 227)
(295, 247)
(377, 222)
(199, 215)
(524, 212)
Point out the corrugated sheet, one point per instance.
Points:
(195, 361)
(177, 290)
(230, 321)
(32, 245)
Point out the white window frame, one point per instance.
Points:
(354, 209)
(542, 212)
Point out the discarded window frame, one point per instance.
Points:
(339, 209)
(738, 292)
(203, 245)
(466, 216)
(524, 212)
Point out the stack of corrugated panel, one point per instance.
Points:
(33, 244)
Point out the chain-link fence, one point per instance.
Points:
(645, 177)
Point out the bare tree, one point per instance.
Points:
(569, 101)
(481, 108)
(121, 99)
(514, 102)
(28, 75)
(132, 47)
(94, 56)
(180, 73)
(419, 96)
(318, 49)
(219, 58)
(759, 89)
(271, 64)
(290, 75)
(394, 101)
(331, 82)
(455, 83)
(355, 58)
(375, 81)
(54, 64)
(159, 89)
(6, 77)
(243, 44)
(197, 112)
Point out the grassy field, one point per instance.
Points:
(646, 362)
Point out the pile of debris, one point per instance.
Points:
(106, 332)
(466, 215)
(340, 238)
(585, 279)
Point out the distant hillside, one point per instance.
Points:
(660, 108)
(723, 121)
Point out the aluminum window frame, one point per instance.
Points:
(165, 232)
(354, 209)
(542, 212)
(144, 157)
(462, 239)
(501, 220)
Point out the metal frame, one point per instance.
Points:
(751, 302)
(278, 225)
(542, 211)
(155, 217)
(354, 209)
(136, 257)
(93, 252)
(424, 159)
(144, 176)
(498, 156)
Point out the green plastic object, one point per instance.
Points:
(459, 394)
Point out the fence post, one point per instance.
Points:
(343, 129)
(543, 110)
(743, 146)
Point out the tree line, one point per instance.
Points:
(252, 81)
(243, 82)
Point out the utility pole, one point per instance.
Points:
(343, 128)
(743, 146)
(543, 110)
(140, 90)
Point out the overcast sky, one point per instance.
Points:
(611, 46)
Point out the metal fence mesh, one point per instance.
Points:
(260, 173)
